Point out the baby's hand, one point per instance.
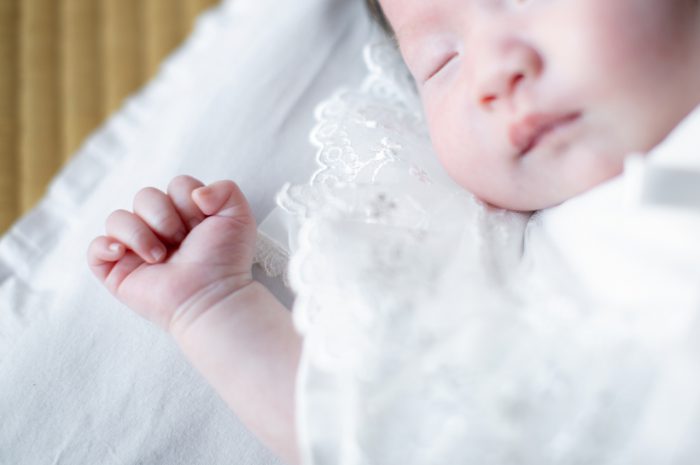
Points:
(178, 253)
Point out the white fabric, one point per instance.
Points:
(438, 330)
(82, 379)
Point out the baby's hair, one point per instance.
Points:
(376, 11)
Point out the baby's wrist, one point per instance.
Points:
(229, 293)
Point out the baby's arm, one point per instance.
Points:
(200, 289)
(246, 348)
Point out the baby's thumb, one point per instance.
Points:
(222, 198)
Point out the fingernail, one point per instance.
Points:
(203, 190)
(157, 253)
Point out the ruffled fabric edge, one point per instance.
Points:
(388, 81)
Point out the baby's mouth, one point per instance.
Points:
(527, 133)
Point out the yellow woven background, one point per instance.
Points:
(65, 65)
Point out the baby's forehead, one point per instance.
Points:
(411, 18)
(411, 26)
(410, 15)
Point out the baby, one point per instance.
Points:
(529, 103)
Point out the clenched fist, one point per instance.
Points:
(178, 253)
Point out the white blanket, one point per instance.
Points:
(438, 330)
(83, 380)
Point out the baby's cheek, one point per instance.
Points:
(470, 146)
(630, 41)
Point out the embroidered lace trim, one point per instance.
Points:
(272, 257)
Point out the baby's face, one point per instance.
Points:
(531, 102)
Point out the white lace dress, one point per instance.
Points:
(438, 330)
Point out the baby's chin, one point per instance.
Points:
(541, 199)
(522, 205)
(540, 195)
(521, 202)
(565, 182)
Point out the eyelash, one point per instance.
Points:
(442, 65)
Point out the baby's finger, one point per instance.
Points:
(102, 254)
(223, 198)
(131, 231)
(156, 209)
(180, 192)
(121, 270)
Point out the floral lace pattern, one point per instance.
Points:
(373, 135)
(375, 161)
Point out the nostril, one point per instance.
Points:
(515, 80)
(487, 100)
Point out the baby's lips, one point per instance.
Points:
(525, 133)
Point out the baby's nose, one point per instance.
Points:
(503, 69)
